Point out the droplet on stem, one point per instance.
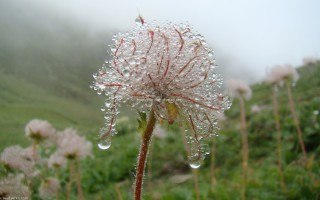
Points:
(105, 143)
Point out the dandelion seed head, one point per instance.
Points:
(57, 161)
(17, 158)
(39, 129)
(280, 74)
(167, 67)
(73, 146)
(238, 88)
(256, 108)
(12, 187)
(49, 188)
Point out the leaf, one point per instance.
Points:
(142, 122)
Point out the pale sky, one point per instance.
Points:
(248, 36)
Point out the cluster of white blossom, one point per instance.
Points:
(280, 74)
(239, 88)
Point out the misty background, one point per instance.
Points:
(248, 36)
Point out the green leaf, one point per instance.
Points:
(142, 122)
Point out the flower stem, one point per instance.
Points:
(146, 137)
(296, 122)
(297, 125)
(78, 180)
(196, 183)
(279, 146)
(245, 147)
(70, 180)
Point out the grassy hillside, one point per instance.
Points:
(46, 63)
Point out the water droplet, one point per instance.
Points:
(105, 143)
(139, 20)
(195, 164)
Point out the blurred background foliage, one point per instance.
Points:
(45, 72)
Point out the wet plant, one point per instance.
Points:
(166, 70)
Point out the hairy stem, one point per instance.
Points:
(78, 180)
(279, 146)
(296, 122)
(149, 165)
(70, 180)
(196, 183)
(297, 125)
(245, 147)
(146, 137)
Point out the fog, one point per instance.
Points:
(248, 36)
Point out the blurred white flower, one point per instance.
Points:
(17, 158)
(221, 116)
(73, 146)
(49, 188)
(256, 109)
(12, 187)
(39, 130)
(239, 88)
(159, 132)
(310, 60)
(279, 74)
(57, 161)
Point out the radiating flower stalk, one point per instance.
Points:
(278, 129)
(167, 70)
(241, 90)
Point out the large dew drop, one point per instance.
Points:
(195, 164)
(105, 144)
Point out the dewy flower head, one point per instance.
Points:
(238, 88)
(39, 129)
(280, 74)
(167, 67)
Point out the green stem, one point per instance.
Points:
(146, 137)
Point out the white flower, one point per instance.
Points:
(279, 74)
(49, 188)
(169, 68)
(159, 132)
(17, 158)
(238, 88)
(72, 146)
(56, 160)
(255, 108)
(39, 129)
(12, 187)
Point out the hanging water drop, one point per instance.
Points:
(139, 20)
(105, 143)
(195, 164)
